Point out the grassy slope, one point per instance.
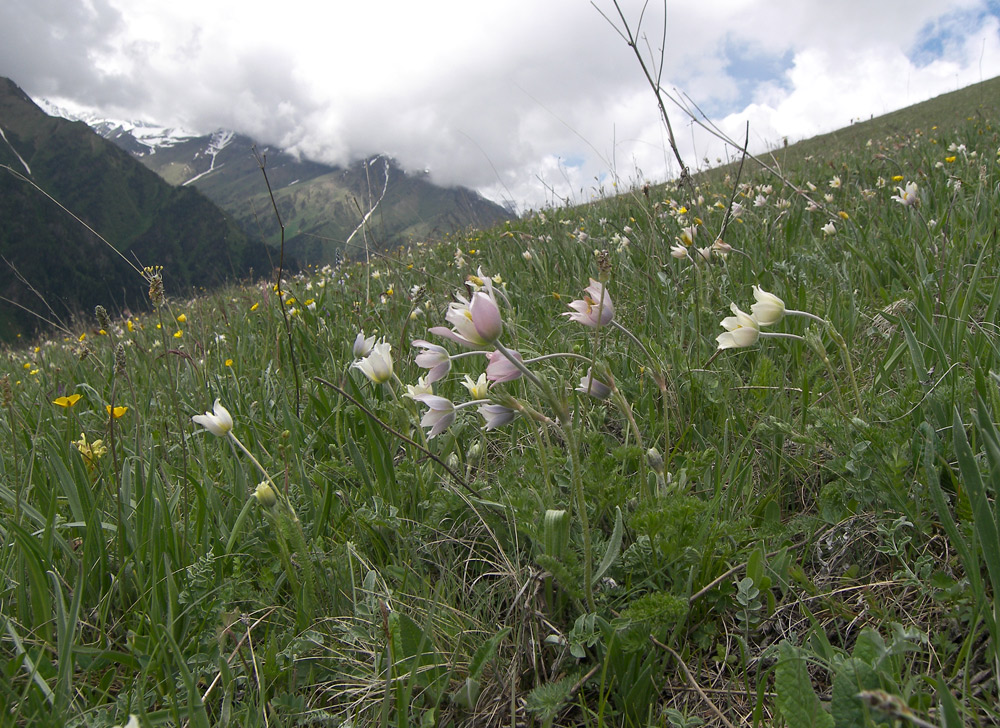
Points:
(802, 542)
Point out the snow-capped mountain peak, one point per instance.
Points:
(148, 136)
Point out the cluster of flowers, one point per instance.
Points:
(476, 325)
(743, 329)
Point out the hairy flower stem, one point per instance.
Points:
(581, 503)
(288, 527)
(841, 344)
(626, 410)
(566, 427)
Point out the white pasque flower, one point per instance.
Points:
(908, 196)
(741, 330)
(496, 415)
(679, 251)
(434, 358)
(421, 387)
(377, 366)
(477, 389)
(440, 413)
(769, 309)
(594, 387)
(829, 228)
(219, 422)
(362, 346)
(594, 309)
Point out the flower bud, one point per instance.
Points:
(265, 495)
(655, 460)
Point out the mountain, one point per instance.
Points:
(320, 205)
(53, 266)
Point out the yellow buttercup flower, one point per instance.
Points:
(229, 362)
(255, 307)
(67, 401)
(178, 334)
(181, 319)
(116, 412)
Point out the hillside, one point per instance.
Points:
(629, 476)
(320, 205)
(53, 266)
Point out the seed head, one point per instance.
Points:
(120, 359)
(103, 320)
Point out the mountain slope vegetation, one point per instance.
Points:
(713, 454)
(54, 267)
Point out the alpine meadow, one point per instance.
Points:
(721, 451)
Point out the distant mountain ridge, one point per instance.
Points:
(320, 204)
(52, 265)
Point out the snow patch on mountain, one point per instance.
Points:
(150, 136)
(218, 141)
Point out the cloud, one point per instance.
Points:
(539, 102)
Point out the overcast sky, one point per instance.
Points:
(534, 101)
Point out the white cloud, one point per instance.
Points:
(538, 101)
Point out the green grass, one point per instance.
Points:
(790, 543)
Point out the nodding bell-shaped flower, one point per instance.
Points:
(440, 413)
(433, 358)
(769, 309)
(594, 309)
(594, 387)
(499, 368)
(679, 251)
(741, 330)
(219, 422)
(377, 366)
(496, 415)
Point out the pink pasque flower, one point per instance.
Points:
(594, 309)
(474, 323)
(499, 368)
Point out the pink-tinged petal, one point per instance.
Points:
(486, 317)
(499, 368)
(496, 415)
(449, 334)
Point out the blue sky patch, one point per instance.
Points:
(749, 66)
(941, 37)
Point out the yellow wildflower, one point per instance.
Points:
(182, 318)
(91, 451)
(67, 401)
(116, 412)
